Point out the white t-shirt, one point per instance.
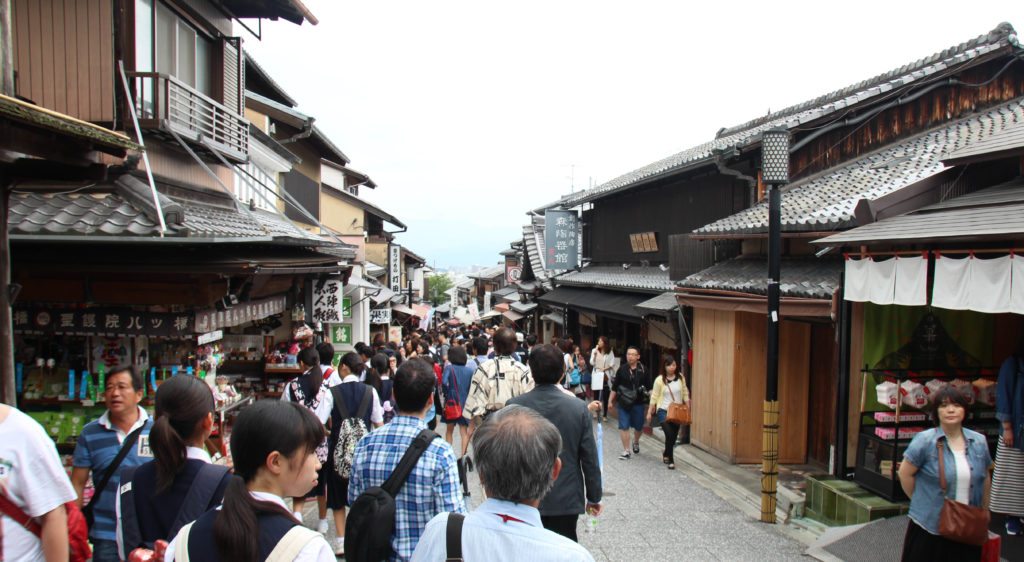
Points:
(963, 477)
(676, 391)
(602, 365)
(323, 410)
(33, 479)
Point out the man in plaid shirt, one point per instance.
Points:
(433, 485)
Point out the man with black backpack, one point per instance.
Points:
(401, 464)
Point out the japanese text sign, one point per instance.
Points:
(341, 334)
(395, 268)
(249, 311)
(380, 316)
(328, 303)
(103, 321)
(561, 240)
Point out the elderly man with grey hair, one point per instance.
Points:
(516, 452)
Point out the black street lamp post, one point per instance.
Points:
(775, 173)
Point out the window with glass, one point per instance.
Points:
(167, 43)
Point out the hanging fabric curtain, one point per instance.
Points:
(1016, 284)
(882, 281)
(855, 280)
(911, 281)
(970, 283)
(898, 280)
(950, 288)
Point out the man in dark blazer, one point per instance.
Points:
(578, 487)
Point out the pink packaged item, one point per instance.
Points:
(890, 417)
(890, 432)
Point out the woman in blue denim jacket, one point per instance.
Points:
(967, 462)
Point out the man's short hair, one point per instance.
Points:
(546, 364)
(309, 357)
(504, 341)
(326, 351)
(531, 340)
(414, 384)
(133, 374)
(515, 450)
(480, 345)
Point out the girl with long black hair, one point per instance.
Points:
(308, 390)
(180, 483)
(273, 446)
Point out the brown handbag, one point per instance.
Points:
(960, 522)
(678, 413)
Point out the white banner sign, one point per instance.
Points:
(380, 316)
(327, 301)
(395, 268)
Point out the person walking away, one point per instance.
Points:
(602, 366)
(180, 483)
(330, 374)
(357, 408)
(1008, 477)
(496, 380)
(669, 388)
(32, 484)
(507, 526)
(455, 382)
(578, 486)
(579, 362)
(384, 367)
(308, 391)
(433, 485)
(628, 393)
(966, 461)
(273, 446)
(118, 439)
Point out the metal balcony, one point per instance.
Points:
(165, 104)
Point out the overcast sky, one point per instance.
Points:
(469, 113)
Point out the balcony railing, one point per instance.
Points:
(163, 102)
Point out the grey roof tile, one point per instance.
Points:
(77, 213)
(1000, 37)
(826, 201)
(614, 277)
(800, 277)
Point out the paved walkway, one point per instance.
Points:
(652, 513)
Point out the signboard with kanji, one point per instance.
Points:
(249, 311)
(380, 316)
(341, 334)
(561, 240)
(513, 271)
(395, 268)
(103, 321)
(328, 305)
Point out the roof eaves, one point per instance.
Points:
(265, 76)
(329, 146)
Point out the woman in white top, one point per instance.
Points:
(308, 390)
(272, 446)
(669, 388)
(602, 366)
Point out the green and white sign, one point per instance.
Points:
(341, 334)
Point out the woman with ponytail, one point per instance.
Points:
(273, 447)
(179, 484)
(308, 390)
(381, 364)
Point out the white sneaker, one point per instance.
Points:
(322, 527)
(339, 546)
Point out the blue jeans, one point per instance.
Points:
(631, 417)
(104, 551)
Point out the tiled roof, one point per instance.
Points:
(999, 144)
(651, 279)
(659, 304)
(90, 214)
(507, 290)
(533, 242)
(489, 272)
(800, 277)
(827, 200)
(1000, 37)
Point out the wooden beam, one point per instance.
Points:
(7, 387)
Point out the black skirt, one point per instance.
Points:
(921, 546)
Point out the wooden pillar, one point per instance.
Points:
(6, 50)
(7, 389)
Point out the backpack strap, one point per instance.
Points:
(8, 508)
(339, 402)
(412, 456)
(197, 501)
(128, 445)
(131, 535)
(292, 543)
(453, 537)
(364, 403)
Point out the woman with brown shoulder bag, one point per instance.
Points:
(671, 400)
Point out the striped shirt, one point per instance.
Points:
(95, 449)
(432, 487)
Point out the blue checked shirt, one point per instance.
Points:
(432, 487)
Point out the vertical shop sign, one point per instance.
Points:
(328, 304)
(513, 271)
(561, 240)
(395, 268)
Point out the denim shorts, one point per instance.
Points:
(631, 417)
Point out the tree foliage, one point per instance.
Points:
(437, 287)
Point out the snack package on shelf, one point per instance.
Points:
(934, 385)
(890, 432)
(890, 417)
(965, 388)
(985, 391)
(887, 393)
(913, 394)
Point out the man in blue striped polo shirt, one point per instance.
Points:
(97, 446)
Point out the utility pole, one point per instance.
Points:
(775, 171)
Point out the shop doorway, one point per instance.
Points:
(821, 407)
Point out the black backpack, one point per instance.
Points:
(371, 519)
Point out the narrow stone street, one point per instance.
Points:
(652, 513)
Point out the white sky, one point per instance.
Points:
(469, 113)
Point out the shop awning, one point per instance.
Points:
(614, 304)
(492, 313)
(402, 309)
(512, 315)
(757, 304)
(384, 295)
(661, 305)
(524, 307)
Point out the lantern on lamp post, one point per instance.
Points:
(775, 173)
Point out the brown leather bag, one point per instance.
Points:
(678, 413)
(960, 522)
